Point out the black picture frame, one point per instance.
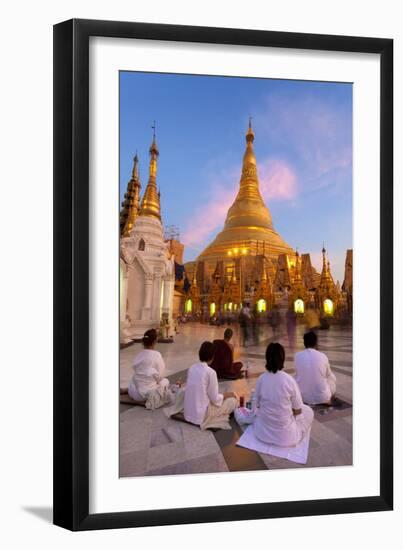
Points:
(71, 273)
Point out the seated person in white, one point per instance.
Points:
(148, 382)
(281, 417)
(204, 405)
(313, 375)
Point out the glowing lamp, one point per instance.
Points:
(328, 307)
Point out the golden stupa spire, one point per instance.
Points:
(216, 275)
(297, 272)
(150, 205)
(194, 278)
(248, 209)
(264, 274)
(325, 276)
(248, 220)
(131, 202)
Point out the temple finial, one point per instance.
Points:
(250, 136)
(135, 171)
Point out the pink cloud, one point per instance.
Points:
(277, 180)
(210, 217)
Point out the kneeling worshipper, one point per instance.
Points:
(148, 383)
(313, 374)
(223, 361)
(281, 419)
(201, 402)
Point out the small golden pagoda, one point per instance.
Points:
(193, 301)
(327, 293)
(215, 296)
(264, 296)
(299, 296)
(131, 202)
(248, 224)
(150, 204)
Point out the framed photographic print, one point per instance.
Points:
(223, 261)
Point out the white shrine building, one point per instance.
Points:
(147, 269)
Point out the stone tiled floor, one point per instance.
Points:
(151, 444)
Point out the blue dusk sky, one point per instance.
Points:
(303, 147)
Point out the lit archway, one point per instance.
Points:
(212, 309)
(188, 306)
(328, 306)
(261, 305)
(299, 306)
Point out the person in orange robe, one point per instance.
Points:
(223, 362)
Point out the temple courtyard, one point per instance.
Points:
(152, 444)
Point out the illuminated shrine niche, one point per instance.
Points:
(328, 307)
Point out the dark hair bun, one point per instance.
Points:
(150, 336)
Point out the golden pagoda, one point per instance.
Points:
(131, 202)
(327, 293)
(299, 296)
(263, 297)
(248, 224)
(150, 205)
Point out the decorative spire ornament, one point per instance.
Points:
(150, 205)
(131, 202)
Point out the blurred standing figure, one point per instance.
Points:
(244, 321)
(291, 323)
(275, 321)
(255, 327)
(314, 376)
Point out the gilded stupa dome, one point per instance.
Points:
(248, 225)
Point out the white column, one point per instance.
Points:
(146, 309)
(125, 336)
(123, 291)
(167, 294)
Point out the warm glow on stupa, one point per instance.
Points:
(248, 224)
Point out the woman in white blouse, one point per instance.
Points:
(149, 370)
(204, 405)
(282, 419)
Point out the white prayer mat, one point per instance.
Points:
(298, 454)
